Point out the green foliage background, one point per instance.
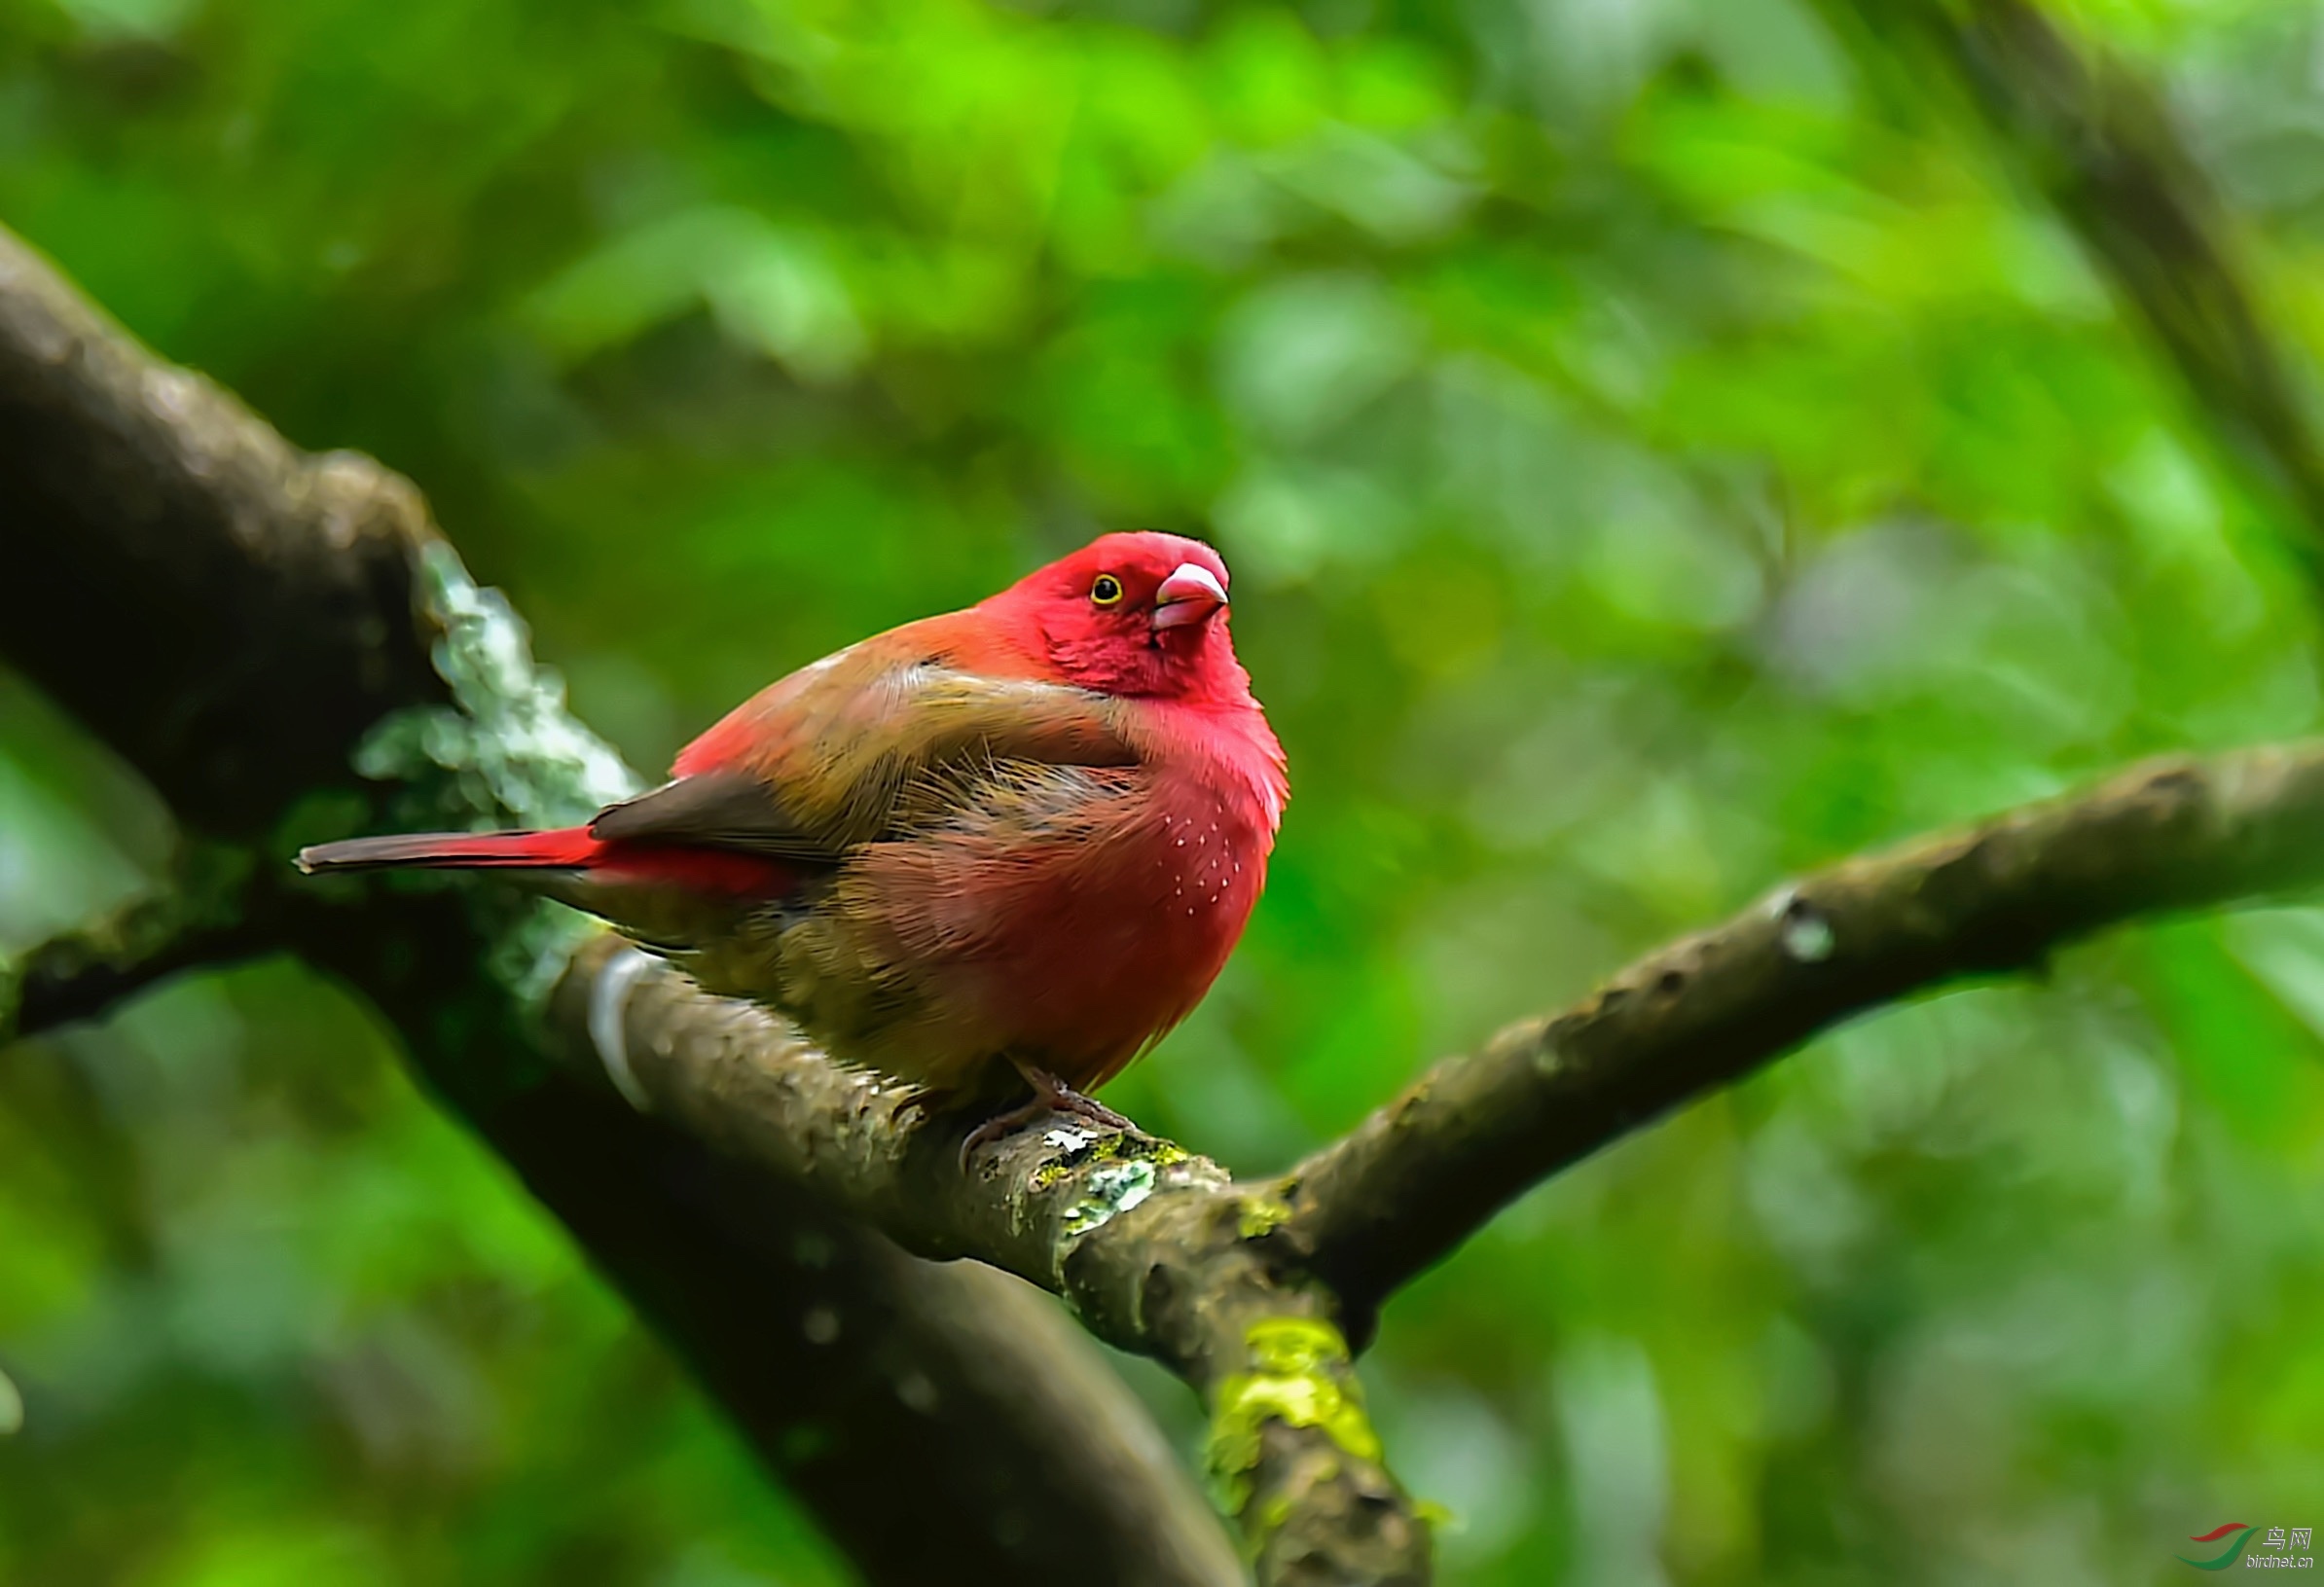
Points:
(1657, 455)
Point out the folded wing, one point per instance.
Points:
(825, 760)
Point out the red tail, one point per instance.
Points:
(722, 871)
(567, 848)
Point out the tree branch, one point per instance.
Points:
(208, 914)
(1418, 1177)
(236, 617)
(1155, 1248)
(255, 603)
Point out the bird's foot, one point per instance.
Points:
(1001, 1124)
(1056, 1096)
(1069, 1100)
(1050, 1095)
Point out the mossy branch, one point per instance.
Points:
(1155, 1250)
(208, 913)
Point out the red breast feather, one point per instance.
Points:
(1072, 921)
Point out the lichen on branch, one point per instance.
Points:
(505, 751)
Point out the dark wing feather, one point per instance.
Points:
(717, 810)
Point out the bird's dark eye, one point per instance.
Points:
(1107, 591)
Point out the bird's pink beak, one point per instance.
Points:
(1191, 594)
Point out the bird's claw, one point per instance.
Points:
(1088, 1107)
(1050, 1095)
(1001, 1125)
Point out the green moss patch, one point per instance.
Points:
(1300, 1374)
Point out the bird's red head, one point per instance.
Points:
(1140, 614)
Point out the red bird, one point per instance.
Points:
(1030, 831)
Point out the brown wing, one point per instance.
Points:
(819, 762)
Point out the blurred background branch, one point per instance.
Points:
(208, 914)
(2097, 141)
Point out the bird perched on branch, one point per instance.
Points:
(1026, 833)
